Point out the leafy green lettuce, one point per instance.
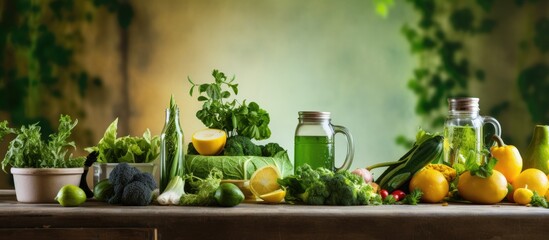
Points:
(236, 167)
(126, 149)
(29, 150)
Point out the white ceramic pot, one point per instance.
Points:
(41, 185)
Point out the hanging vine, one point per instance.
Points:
(440, 41)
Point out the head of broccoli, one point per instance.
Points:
(271, 149)
(131, 187)
(241, 146)
(324, 187)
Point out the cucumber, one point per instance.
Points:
(400, 172)
(103, 190)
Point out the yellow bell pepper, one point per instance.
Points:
(509, 159)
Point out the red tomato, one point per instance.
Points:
(384, 193)
(396, 197)
(399, 195)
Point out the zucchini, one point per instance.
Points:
(428, 147)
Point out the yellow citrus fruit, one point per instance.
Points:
(535, 179)
(264, 180)
(523, 196)
(209, 142)
(274, 197)
(432, 183)
(490, 190)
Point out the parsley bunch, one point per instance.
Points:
(235, 118)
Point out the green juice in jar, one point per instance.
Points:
(316, 151)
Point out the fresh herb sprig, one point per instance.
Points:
(235, 118)
(28, 150)
(413, 198)
(538, 201)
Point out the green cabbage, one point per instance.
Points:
(236, 167)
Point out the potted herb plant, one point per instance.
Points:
(139, 152)
(41, 167)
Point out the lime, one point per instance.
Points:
(70, 196)
(228, 195)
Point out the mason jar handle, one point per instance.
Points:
(350, 147)
(493, 121)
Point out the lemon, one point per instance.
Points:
(264, 180)
(228, 195)
(523, 196)
(535, 179)
(432, 183)
(274, 197)
(70, 196)
(209, 142)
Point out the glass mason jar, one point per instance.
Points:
(314, 142)
(463, 131)
(172, 155)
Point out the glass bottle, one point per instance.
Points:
(314, 141)
(463, 134)
(172, 155)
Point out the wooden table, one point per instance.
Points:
(95, 220)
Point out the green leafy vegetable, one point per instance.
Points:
(28, 150)
(235, 118)
(126, 149)
(538, 201)
(413, 198)
(202, 191)
(481, 170)
(236, 167)
(389, 200)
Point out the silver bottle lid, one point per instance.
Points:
(314, 115)
(463, 104)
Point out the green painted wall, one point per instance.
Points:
(336, 56)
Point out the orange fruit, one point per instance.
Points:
(432, 183)
(535, 179)
(209, 142)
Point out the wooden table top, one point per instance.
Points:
(284, 221)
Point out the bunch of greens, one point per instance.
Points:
(29, 150)
(200, 192)
(126, 149)
(235, 118)
(324, 187)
